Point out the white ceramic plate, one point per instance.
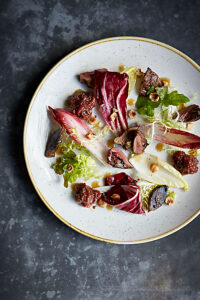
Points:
(102, 224)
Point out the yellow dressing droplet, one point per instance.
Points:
(131, 101)
(165, 79)
(121, 68)
(159, 147)
(110, 143)
(78, 91)
(95, 184)
(181, 105)
(109, 207)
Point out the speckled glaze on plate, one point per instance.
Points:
(110, 226)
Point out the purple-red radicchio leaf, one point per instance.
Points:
(120, 178)
(125, 197)
(111, 94)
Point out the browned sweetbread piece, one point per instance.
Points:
(150, 79)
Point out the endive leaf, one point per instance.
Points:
(166, 174)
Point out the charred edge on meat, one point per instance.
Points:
(150, 79)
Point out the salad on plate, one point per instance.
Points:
(104, 134)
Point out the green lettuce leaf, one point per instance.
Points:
(145, 106)
(83, 165)
(174, 98)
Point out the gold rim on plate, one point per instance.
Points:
(195, 65)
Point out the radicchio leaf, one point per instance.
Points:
(120, 178)
(78, 131)
(88, 77)
(111, 93)
(129, 198)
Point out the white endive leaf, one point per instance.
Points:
(166, 173)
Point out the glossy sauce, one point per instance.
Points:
(165, 79)
(159, 147)
(121, 68)
(78, 91)
(131, 101)
(109, 207)
(181, 105)
(95, 184)
(110, 143)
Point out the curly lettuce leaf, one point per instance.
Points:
(83, 165)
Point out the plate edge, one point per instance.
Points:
(195, 65)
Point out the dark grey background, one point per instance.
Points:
(41, 258)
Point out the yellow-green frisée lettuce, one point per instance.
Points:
(75, 163)
(170, 116)
(171, 149)
(146, 190)
(101, 132)
(165, 175)
(167, 116)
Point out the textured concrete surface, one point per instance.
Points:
(40, 258)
